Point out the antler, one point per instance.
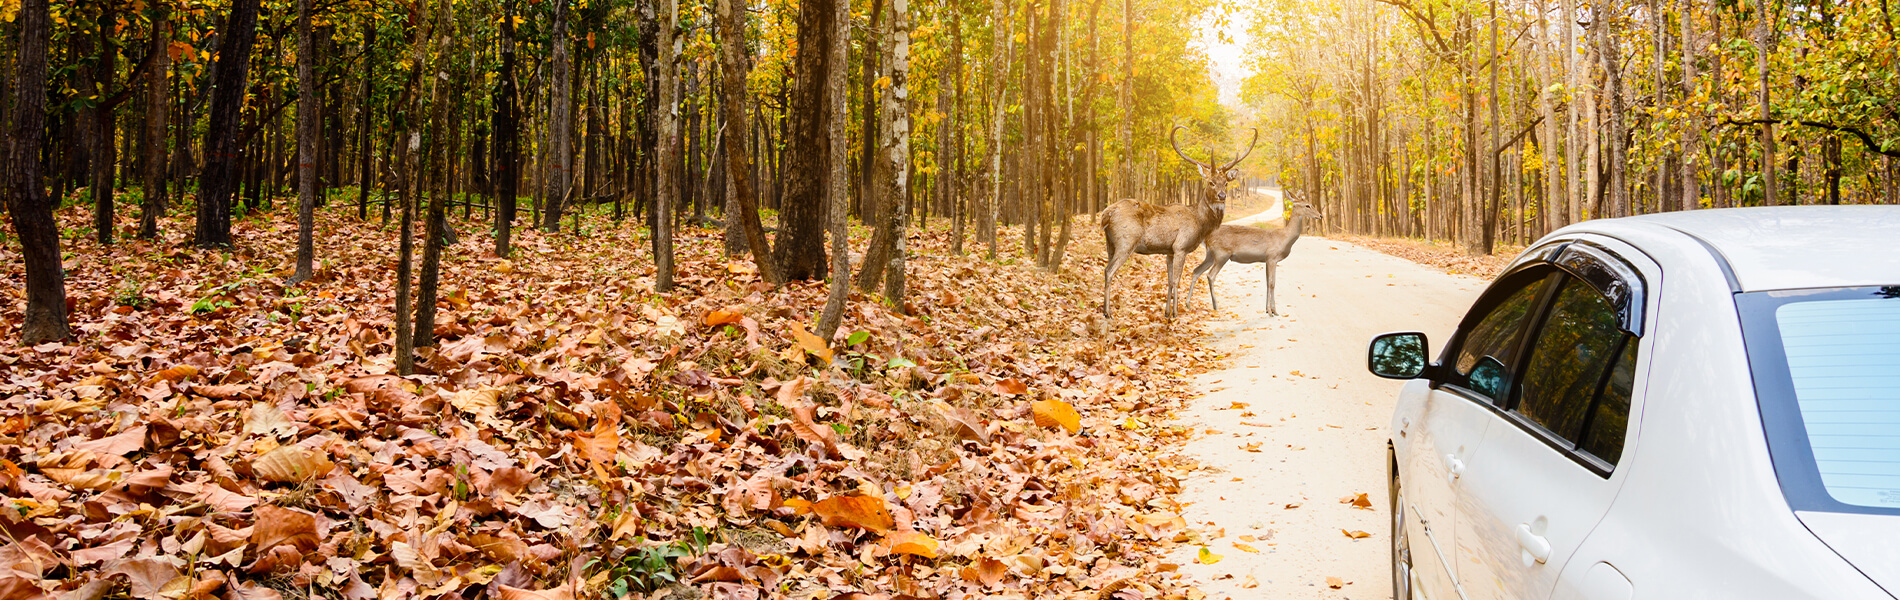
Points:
(1177, 147)
(1243, 155)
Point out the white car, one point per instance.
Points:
(1699, 404)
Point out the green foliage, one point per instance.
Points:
(647, 567)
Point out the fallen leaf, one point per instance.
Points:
(911, 542)
(862, 512)
(1010, 387)
(1336, 583)
(1207, 557)
(291, 464)
(811, 344)
(1054, 413)
(722, 317)
(1246, 548)
(1360, 502)
(1355, 534)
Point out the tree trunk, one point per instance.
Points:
(561, 122)
(1764, 46)
(507, 119)
(874, 207)
(306, 147)
(736, 65)
(218, 182)
(810, 144)
(27, 203)
(102, 129)
(959, 182)
(1692, 130)
(364, 138)
(441, 153)
(821, 93)
(157, 100)
(999, 72)
(666, 188)
(896, 109)
(1619, 192)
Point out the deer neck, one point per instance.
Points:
(1292, 234)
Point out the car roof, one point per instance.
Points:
(1790, 247)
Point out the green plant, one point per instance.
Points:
(649, 568)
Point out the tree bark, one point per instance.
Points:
(561, 122)
(157, 101)
(1764, 46)
(736, 64)
(666, 187)
(103, 125)
(364, 138)
(507, 132)
(306, 147)
(441, 153)
(810, 143)
(896, 108)
(874, 208)
(27, 203)
(218, 182)
(829, 19)
(1692, 130)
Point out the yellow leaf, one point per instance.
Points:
(721, 317)
(1056, 413)
(811, 343)
(1246, 548)
(1207, 557)
(862, 512)
(1355, 534)
(913, 543)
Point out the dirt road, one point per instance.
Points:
(1296, 423)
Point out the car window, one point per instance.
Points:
(1844, 363)
(1573, 349)
(1609, 421)
(1496, 336)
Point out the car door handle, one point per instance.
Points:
(1536, 547)
(1454, 467)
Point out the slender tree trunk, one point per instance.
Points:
(1124, 138)
(999, 73)
(1691, 195)
(831, 19)
(896, 106)
(666, 192)
(960, 184)
(105, 158)
(407, 183)
(561, 122)
(1765, 46)
(736, 65)
(800, 247)
(1619, 192)
(874, 208)
(218, 182)
(26, 201)
(365, 140)
(157, 88)
(507, 119)
(306, 147)
(441, 153)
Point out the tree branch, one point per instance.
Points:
(1866, 140)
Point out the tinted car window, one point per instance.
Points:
(1573, 349)
(1843, 360)
(1609, 422)
(1496, 336)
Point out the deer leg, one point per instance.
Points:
(1116, 256)
(1213, 274)
(1176, 260)
(1270, 311)
(1206, 263)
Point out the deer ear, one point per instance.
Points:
(1207, 172)
(1233, 174)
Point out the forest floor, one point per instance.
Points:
(211, 433)
(1289, 500)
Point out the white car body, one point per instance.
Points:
(1494, 505)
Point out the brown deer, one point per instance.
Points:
(1248, 245)
(1134, 227)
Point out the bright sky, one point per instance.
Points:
(1228, 69)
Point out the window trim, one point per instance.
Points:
(1604, 270)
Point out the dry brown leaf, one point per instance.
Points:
(1336, 583)
(1010, 387)
(481, 402)
(1355, 534)
(862, 512)
(291, 464)
(177, 373)
(1361, 502)
(565, 592)
(1053, 413)
(721, 317)
(810, 343)
(277, 525)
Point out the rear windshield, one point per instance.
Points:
(1827, 371)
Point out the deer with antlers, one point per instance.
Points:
(1133, 227)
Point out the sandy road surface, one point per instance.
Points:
(1297, 420)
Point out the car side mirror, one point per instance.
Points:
(1397, 355)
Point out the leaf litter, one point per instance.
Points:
(211, 433)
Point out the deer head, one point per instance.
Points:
(1217, 178)
(1302, 210)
